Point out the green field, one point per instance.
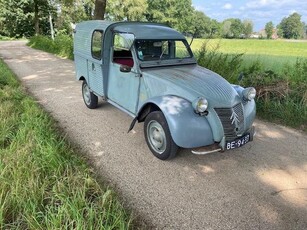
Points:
(272, 54)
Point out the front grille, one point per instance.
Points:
(232, 120)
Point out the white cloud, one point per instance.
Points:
(257, 4)
(227, 6)
(201, 8)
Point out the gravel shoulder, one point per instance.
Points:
(262, 185)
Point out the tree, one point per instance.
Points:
(215, 28)
(200, 25)
(72, 11)
(175, 13)
(236, 27)
(269, 27)
(24, 18)
(280, 32)
(226, 31)
(247, 28)
(100, 7)
(130, 10)
(292, 27)
(232, 28)
(41, 8)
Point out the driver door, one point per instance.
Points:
(123, 88)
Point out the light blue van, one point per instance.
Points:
(148, 71)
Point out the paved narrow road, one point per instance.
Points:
(262, 185)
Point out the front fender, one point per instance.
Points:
(188, 129)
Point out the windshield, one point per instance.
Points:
(150, 50)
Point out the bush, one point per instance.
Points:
(4, 38)
(281, 97)
(62, 45)
(224, 64)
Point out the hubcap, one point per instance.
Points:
(156, 136)
(86, 94)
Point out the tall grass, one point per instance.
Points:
(224, 64)
(44, 183)
(272, 54)
(62, 45)
(4, 38)
(281, 96)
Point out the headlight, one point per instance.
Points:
(200, 105)
(249, 93)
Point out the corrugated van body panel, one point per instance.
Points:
(95, 77)
(86, 66)
(81, 67)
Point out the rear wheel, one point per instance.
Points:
(89, 98)
(158, 136)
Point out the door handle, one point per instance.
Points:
(93, 67)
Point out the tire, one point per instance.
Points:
(90, 99)
(158, 136)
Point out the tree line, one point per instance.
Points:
(25, 18)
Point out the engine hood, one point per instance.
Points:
(191, 82)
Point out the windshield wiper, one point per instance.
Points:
(163, 50)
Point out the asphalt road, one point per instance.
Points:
(262, 185)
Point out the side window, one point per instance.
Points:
(97, 44)
(123, 41)
(121, 49)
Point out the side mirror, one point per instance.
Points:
(125, 69)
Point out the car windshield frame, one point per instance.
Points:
(161, 55)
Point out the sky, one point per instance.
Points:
(259, 11)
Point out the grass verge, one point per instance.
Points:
(44, 183)
(62, 45)
(281, 96)
(4, 38)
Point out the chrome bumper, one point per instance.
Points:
(221, 146)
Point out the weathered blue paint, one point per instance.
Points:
(123, 87)
(171, 85)
(188, 129)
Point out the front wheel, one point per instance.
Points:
(89, 98)
(158, 136)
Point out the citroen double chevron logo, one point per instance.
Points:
(234, 118)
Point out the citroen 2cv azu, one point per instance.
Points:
(148, 71)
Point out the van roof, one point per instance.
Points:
(141, 30)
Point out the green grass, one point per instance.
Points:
(4, 38)
(44, 183)
(280, 48)
(282, 94)
(272, 54)
(61, 46)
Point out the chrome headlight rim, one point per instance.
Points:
(249, 93)
(200, 105)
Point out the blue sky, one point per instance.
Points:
(259, 11)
